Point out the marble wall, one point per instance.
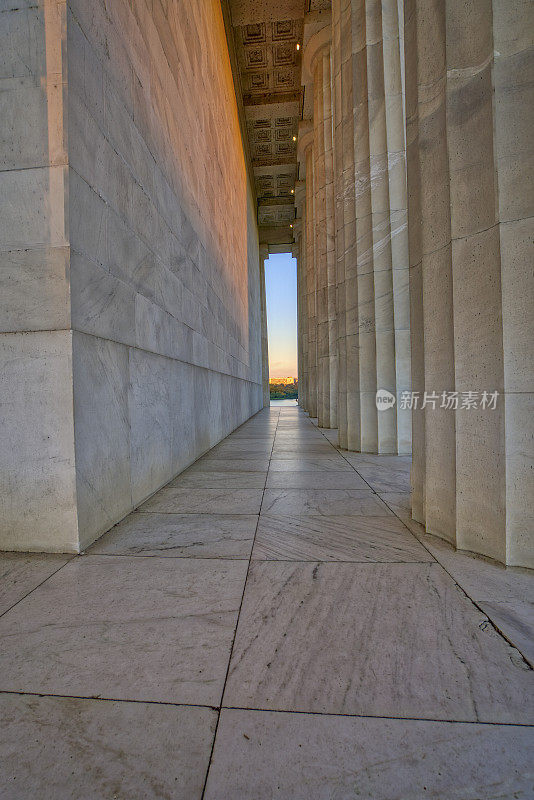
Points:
(130, 283)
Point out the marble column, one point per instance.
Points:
(311, 299)
(298, 254)
(264, 255)
(331, 279)
(365, 292)
(469, 117)
(381, 282)
(393, 54)
(351, 438)
(513, 47)
(338, 154)
(319, 182)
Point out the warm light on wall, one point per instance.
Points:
(298, 46)
(292, 191)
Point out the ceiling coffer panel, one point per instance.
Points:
(268, 43)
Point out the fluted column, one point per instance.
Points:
(351, 438)
(513, 45)
(365, 292)
(311, 285)
(298, 254)
(319, 182)
(330, 419)
(382, 278)
(264, 254)
(393, 53)
(469, 117)
(339, 250)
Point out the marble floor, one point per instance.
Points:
(270, 625)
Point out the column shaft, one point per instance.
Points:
(319, 180)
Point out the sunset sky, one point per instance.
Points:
(281, 289)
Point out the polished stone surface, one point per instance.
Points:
(415, 646)
(173, 500)
(276, 756)
(188, 535)
(515, 620)
(20, 573)
(225, 479)
(323, 501)
(125, 628)
(335, 538)
(68, 749)
(315, 480)
(309, 463)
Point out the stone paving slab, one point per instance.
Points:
(399, 640)
(155, 629)
(208, 464)
(323, 501)
(20, 573)
(309, 464)
(204, 501)
(336, 538)
(180, 535)
(315, 480)
(277, 756)
(226, 479)
(68, 749)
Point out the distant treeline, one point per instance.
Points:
(281, 392)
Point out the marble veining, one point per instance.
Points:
(336, 538)
(323, 501)
(125, 628)
(394, 640)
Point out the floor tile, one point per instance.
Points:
(270, 756)
(391, 640)
(67, 749)
(315, 480)
(303, 450)
(309, 464)
(207, 463)
(185, 535)
(20, 573)
(336, 538)
(245, 453)
(204, 501)
(515, 620)
(323, 501)
(219, 480)
(380, 461)
(125, 628)
(399, 502)
(481, 579)
(385, 479)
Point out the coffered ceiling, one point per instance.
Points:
(266, 39)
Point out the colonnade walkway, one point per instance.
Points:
(267, 626)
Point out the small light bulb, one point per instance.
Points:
(298, 46)
(294, 138)
(291, 225)
(292, 191)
